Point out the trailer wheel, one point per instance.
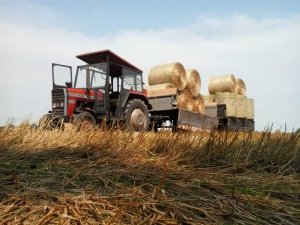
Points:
(154, 124)
(84, 121)
(137, 115)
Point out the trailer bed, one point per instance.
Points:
(164, 108)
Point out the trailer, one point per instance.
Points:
(165, 111)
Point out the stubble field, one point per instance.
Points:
(117, 177)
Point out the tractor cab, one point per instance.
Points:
(102, 87)
(112, 75)
(113, 70)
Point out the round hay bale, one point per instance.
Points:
(250, 108)
(185, 100)
(230, 100)
(193, 82)
(160, 87)
(240, 87)
(241, 106)
(208, 98)
(199, 106)
(224, 83)
(173, 73)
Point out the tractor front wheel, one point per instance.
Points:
(136, 115)
(47, 121)
(84, 120)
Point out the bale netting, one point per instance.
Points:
(230, 100)
(160, 86)
(223, 83)
(208, 98)
(240, 87)
(193, 82)
(199, 106)
(241, 106)
(173, 73)
(250, 109)
(185, 100)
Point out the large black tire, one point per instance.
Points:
(84, 120)
(136, 115)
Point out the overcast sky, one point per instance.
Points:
(257, 40)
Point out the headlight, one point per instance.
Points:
(58, 104)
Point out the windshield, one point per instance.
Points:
(91, 76)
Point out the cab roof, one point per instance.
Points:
(104, 56)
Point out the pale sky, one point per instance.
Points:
(257, 40)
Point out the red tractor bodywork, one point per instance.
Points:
(101, 88)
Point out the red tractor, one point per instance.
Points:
(108, 89)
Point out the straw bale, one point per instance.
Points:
(223, 83)
(161, 93)
(241, 106)
(193, 82)
(160, 86)
(185, 100)
(240, 87)
(230, 100)
(211, 109)
(208, 98)
(210, 104)
(250, 108)
(199, 106)
(173, 73)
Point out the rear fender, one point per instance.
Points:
(91, 111)
(127, 96)
(142, 97)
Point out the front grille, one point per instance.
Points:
(58, 97)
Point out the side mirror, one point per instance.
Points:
(69, 84)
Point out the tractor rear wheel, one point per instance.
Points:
(136, 115)
(84, 120)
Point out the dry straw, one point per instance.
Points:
(250, 108)
(241, 106)
(230, 100)
(208, 98)
(160, 87)
(224, 83)
(199, 106)
(240, 87)
(173, 73)
(117, 177)
(185, 100)
(193, 82)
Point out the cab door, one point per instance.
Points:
(61, 76)
(100, 103)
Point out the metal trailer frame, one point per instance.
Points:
(164, 109)
(236, 124)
